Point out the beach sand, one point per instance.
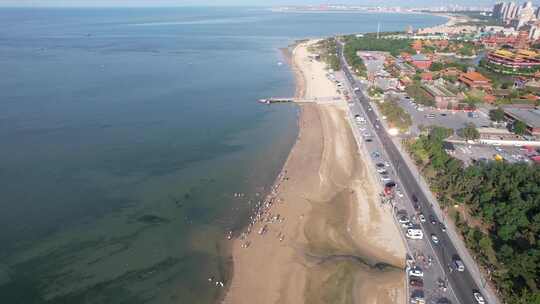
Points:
(339, 245)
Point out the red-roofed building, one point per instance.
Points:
(475, 80)
(496, 41)
(421, 61)
(490, 99)
(426, 76)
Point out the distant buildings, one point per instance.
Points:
(514, 14)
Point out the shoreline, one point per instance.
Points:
(319, 209)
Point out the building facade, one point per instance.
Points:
(475, 80)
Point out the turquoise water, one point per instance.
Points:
(125, 133)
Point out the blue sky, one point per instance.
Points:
(230, 2)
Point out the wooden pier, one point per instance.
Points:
(321, 100)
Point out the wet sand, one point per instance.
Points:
(333, 242)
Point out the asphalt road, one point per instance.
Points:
(461, 282)
(421, 249)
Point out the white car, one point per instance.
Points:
(416, 272)
(407, 225)
(434, 239)
(381, 170)
(422, 218)
(399, 193)
(403, 219)
(478, 297)
(414, 234)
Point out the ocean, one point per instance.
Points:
(132, 143)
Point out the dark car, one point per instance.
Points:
(443, 228)
(369, 140)
(416, 206)
(414, 198)
(443, 301)
(416, 282)
(432, 220)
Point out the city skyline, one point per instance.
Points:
(147, 3)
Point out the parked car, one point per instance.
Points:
(386, 179)
(416, 272)
(458, 263)
(403, 219)
(381, 170)
(407, 225)
(478, 297)
(443, 228)
(443, 301)
(414, 233)
(416, 282)
(422, 218)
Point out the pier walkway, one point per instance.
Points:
(320, 100)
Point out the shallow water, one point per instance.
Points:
(125, 133)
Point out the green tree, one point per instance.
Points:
(520, 127)
(436, 66)
(470, 132)
(496, 115)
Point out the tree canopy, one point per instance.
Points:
(505, 199)
(520, 127)
(496, 115)
(469, 132)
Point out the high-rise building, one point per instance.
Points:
(497, 10)
(515, 14)
(510, 11)
(504, 9)
(526, 14)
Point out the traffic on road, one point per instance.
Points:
(436, 273)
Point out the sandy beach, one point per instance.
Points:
(324, 237)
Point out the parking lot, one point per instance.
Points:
(426, 116)
(471, 153)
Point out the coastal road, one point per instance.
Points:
(462, 283)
